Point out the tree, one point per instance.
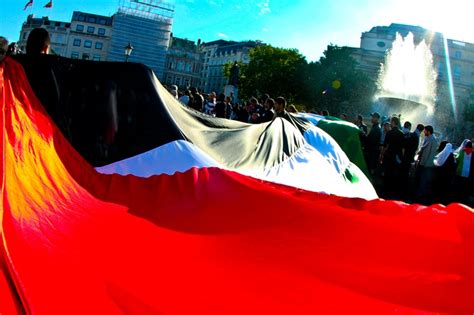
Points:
(335, 84)
(276, 71)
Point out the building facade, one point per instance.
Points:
(89, 36)
(146, 25)
(58, 32)
(183, 63)
(218, 53)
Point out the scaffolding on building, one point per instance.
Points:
(157, 10)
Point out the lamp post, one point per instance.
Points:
(128, 51)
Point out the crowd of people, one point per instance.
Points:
(413, 165)
(255, 111)
(403, 164)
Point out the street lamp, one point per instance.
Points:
(128, 51)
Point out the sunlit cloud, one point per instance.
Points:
(264, 7)
(222, 35)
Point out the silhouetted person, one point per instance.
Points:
(426, 166)
(43, 74)
(372, 144)
(38, 42)
(392, 158)
(221, 107)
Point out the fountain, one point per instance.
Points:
(407, 81)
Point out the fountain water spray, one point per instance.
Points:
(407, 80)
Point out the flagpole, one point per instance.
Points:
(31, 7)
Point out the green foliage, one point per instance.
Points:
(276, 71)
(335, 84)
(331, 83)
(469, 106)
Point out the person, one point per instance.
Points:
(38, 42)
(196, 100)
(464, 171)
(445, 167)
(372, 144)
(229, 109)
(391, 157)
(410, 146)
(280, 106)
(255, 111)
(174, 91)
(3, 47)
(184, 99)
(211, 103)
(268, 112)
(221, 107)
(360, 124)
(425, 169)
(45, 76)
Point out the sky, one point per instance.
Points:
(307, 25)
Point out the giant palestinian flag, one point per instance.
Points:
(122, 120)
(207, 240)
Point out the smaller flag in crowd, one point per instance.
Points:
(28, 4)
(49, 4)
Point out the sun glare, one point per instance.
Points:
(452, 18)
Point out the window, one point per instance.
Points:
(101, 31)
(457, 54)
(74, 55)
(178, 81)
(79, 28)
(99, 45)
(81, 18)
(25, 35)
(457, 72)
(59, 38)
(76, 42)
(86, 56)
(102, 21)
(381, 44)
(91, 29)
(88, 43)
(96, 58)
(168, 79)
(91, 19)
